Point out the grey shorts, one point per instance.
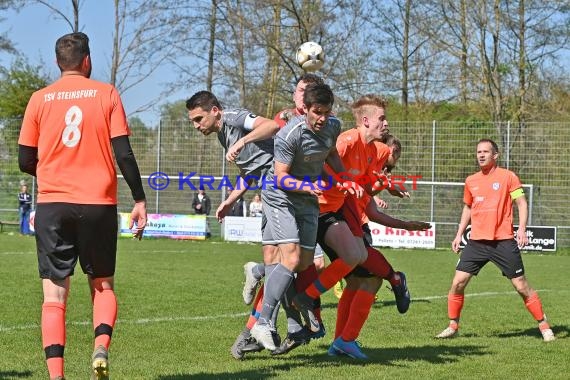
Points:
(505, 254)
(291, 221)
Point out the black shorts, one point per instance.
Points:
(325, 221)
(505, 254)
(66, 232)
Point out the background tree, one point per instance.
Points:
(17, 84)
(5, 42)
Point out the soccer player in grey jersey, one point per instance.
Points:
(290, 201)
(247, 139)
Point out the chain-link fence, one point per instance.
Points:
(441, 153)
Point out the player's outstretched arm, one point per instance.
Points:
(263, 129)
(343, 184)
(376, 216)
(225, 207)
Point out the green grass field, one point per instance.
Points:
(180, 309)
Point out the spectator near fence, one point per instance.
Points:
(201, 204)
(255, 208)
(238, 208)
(24, 209)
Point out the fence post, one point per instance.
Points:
(432, 170)
(508, 152)
(158, 149)
(530, 202)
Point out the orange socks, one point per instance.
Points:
(53, 336)
(376, 263)
(359, 310)
(258, 305)
(328, 277)
(343, 310)
(534, 306)
(104, 316)
(454, 305)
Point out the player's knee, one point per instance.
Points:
(103, 283)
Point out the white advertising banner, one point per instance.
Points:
(172, 226)
(383, 236)
(239, 228)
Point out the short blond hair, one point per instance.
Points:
(362, 105)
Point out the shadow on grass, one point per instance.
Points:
(392, 356)
(377, 304)
(560, 332)
(14, 374)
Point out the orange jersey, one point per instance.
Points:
(382, 152)
(72, 122)
(283, 116)
(360, 160)
(489, 197)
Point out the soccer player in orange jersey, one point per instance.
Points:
(67, 134)
(359, 294)
(488, 197)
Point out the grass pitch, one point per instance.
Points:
(180, 309)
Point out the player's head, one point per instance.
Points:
(369, 113)
(487, 153)
(72, 53)
(318, 101)
(395, 151)
(302, 83)
(204, 111)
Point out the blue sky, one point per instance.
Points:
(34, 31)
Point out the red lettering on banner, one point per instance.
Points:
(399, 232)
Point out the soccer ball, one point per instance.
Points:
(310, 56)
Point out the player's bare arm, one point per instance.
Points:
(379, 217)
(263, 129)
(522, 206)
(344, 184)
(286, 181)
(463, 223)
(240, 189)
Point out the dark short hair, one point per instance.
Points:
(493, 144)
(203, 99)
(310, 78)
(70, 50)
(318, 94)
(393, 142)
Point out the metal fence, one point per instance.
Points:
(441, 153)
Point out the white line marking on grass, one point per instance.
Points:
(141, 321)
(17, 253)
(483, 294)
(144, 321)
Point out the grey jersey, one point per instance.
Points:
(292, 217)
(303, 150)
(255, 158)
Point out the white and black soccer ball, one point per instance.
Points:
(310, 56)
